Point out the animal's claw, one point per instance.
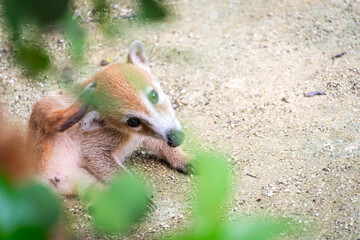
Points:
(187, 169)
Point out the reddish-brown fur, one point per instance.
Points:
(71, 156)
(54, 150)
(120, 83)
(15, 161)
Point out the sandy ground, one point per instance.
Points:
(237, 72)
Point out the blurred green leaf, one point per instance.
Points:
(13, 14)
(47, 11)
(101, 9)
(75, 34)
(38, 205)
(256, 229)
(31, 57)
(100, 100)
(30, 233)
(115, 209)
(212, 190)
(7, 196)
(152, 10)
(41, 11)
(28, 212)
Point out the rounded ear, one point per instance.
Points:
(137, 55)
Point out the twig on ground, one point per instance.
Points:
(313, 93)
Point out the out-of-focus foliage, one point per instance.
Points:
(101, 10)
(33, 57)
(75, 34)
(30, 53)
(39, 14)
(29, 211)
(152, 10)
(212, 192)
(119, 206)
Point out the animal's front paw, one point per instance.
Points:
(190, 169)
(186, 169)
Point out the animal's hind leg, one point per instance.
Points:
(49, 114)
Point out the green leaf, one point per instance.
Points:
(38, 206)
(76, 36)
(256, 229)
(47, 11)
(7, 196)
(32, 57)
(101, 8)
(212, 190)
(31, 211)
(152, 10)
(43, 12)
(153, 97)
(13, 14)
(115, 209)
(29, 233)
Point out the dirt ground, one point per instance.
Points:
(237, 72)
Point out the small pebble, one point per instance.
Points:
(338, 55)
(104, 62)
(284, 100)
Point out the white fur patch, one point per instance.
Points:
(160, 123)
(137, 55)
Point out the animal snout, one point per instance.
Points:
(175, 138)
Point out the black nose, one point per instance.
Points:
(175, 138)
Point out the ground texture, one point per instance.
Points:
(237, 72)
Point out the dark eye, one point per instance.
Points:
(133, 122)
(153, 96)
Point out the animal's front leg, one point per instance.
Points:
(126, 147)
(176, 157)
